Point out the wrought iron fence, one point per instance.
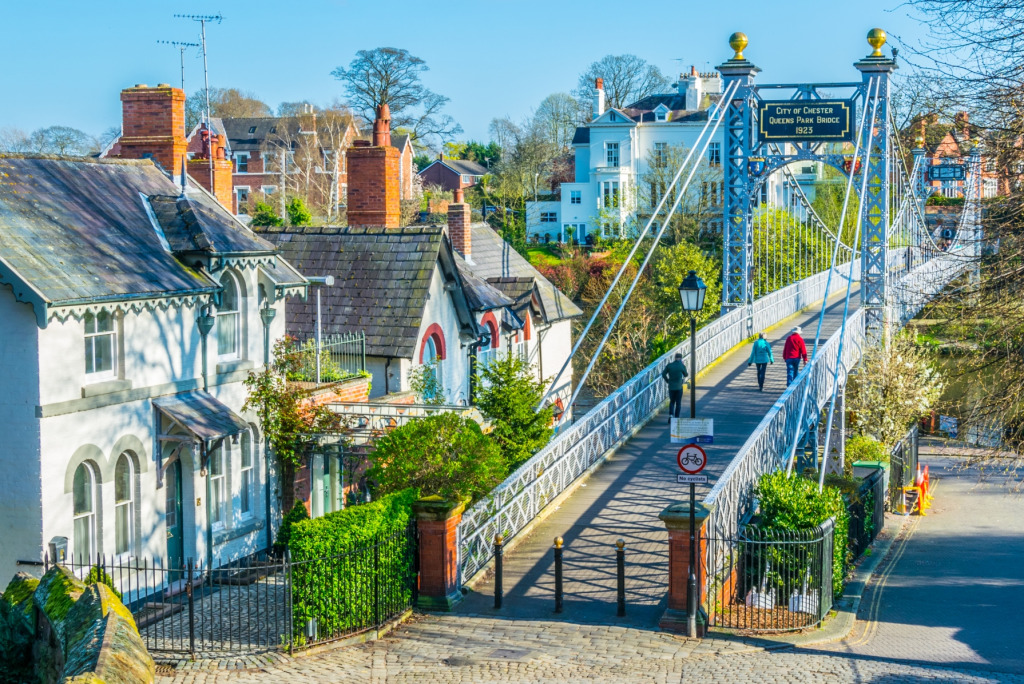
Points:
(369, 420)
(575, 449)
(902, 469)
(771, 580)
(867, 512)
(340, 357)
(260, 603)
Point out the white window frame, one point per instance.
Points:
(231, 317)
(549, 217)
(660, 156)
(93, 338)
(238, 200)
(89, 517)
(246, 478)
(715, 154)
(575, 197)
(268, 189)
(611, 152)
(239, 158)
(610, 195)
(125, 507)
(218, 486)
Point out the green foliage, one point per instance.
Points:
(421, 161)
(426, 383)
(263, 215)
(344, 560)
(473, 151)
(864, 448)
(668, 268)
(306, 371)
(443, 454)
(99, 575)
(788, 502)
(298, 214)
(942, 201)
(508, 396)
(297, 514)
(792, 254)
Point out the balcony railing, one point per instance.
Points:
(335, 358)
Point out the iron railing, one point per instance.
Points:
(867, 512)
(370, 420)
(341, 357)
(902, 469)
(260, 604)
(772, 580)
(577, 448)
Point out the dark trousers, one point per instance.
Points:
(675, 400)
(792, 368)
(761, 368)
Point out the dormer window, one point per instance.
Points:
(252, 129)
(661, 113)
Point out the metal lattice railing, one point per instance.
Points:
(519, 499)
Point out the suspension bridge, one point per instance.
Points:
(849, 285)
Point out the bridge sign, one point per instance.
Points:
(691, 459)
(805, 121)
(952, 172)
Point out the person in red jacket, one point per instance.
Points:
(794, 350)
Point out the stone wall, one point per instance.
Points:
(63, 630)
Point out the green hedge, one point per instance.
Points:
(354, 568)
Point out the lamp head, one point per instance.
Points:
(691, 292)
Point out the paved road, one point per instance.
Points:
(624, 497)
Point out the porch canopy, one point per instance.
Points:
(200, 414)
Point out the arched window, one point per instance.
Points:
(245, 497)
(430, 351)
(229, 318)
(84, 495)
(124, 505)
(432, 355)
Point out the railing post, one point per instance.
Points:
(677, 520)
(499, 553)
(376, 584)
(191, 610)
(438, 521)
(558, 574)
(620, 561)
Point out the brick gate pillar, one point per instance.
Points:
(677, 521)
(437, 524)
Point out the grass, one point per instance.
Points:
(544, 255)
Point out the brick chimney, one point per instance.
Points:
(459, 228)
(960, 122)
(153, 125)
(373, 187)
(598, 97)
(215, 177)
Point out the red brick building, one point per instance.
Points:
(453, 174)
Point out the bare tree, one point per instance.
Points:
(627, 78)
(224, 102)
(62, 140)
(14, 141)
(391, 76)
(556, 119)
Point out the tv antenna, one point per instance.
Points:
(204, 19)
(181, 47)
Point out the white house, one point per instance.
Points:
(118, 440)
(614, 152)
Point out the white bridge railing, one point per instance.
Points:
(520, 498)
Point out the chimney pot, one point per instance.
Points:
(599, 83)
(459, 196)
(141, 85)
(693, 70)
(163, 85)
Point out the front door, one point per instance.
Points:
(173, 518)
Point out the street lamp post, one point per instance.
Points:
(691, 293)
(319, 280)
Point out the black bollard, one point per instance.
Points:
(558, 574)
(498, 551)
(620, 561)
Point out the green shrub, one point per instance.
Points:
(298, 214)
(297, 514)
(98, 575)
(263, 215)
(864, 448)
(508, 397)
(337, 573)
(788, 502)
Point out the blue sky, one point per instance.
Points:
(65, 62)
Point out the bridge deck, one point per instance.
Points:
(624, 497)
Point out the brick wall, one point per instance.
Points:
(221, 186)
(153, 122)
(373, 192)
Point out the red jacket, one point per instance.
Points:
(795, 348)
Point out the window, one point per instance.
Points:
(228, 319)
(84, 495)
(610, 194)
(242, 199)
(245, 496)
(242, 162)
(661, 113)
(574, 231)
(252, 129)
(990, 165)
(467, 179)
(612, 153)
(432, 361)
(268, 161)
(124, 505)
(100, 345)
(575, 197)
(715, 154)
(548, 217)
(217, 486)
(660, 154)
(269, 189)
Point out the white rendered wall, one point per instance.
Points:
(455, 369)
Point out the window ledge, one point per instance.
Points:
(249, 526)
(237, 365)
(106, 387)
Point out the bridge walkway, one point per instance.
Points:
(623, 498)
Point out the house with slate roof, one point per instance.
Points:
(441, 297)
(453, 174)
(123, 424)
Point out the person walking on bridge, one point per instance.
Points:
(761, 354)
(794, 350)
(674, 374)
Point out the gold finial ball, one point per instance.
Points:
(876, 39)
(558, 542)
(621, 543)
(499, 539)
(738, 42)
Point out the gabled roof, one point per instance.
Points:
(252, 133)
(382, 278)
(481, 295)
(461, 166)
(400, 141)
(644, 110)
(79, 231)
(614, 117)
(581, 136)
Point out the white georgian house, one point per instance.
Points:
(614, 152)
(117, 441)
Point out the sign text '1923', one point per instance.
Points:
(805, 121)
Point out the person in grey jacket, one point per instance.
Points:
(761, 355)
(674, 374)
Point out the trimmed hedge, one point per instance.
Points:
(354, 568)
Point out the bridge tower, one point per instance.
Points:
(875, 202)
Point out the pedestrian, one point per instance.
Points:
(761, 354)
(794, 350)
(674, 374)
